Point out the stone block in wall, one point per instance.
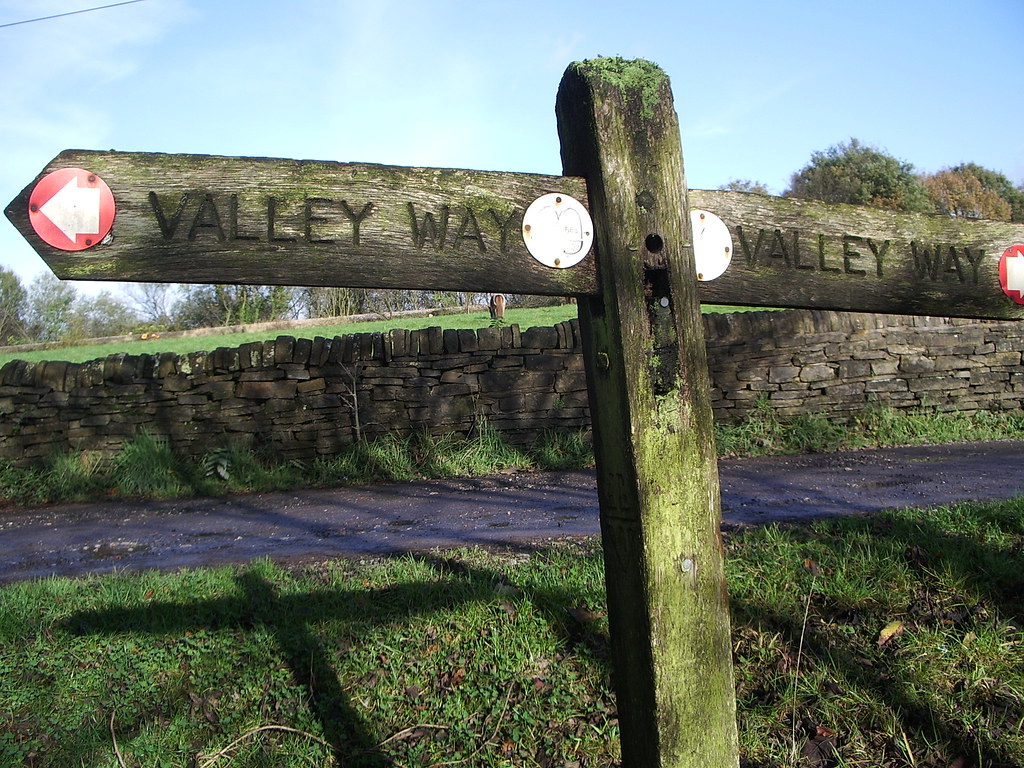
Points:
(260, 374)
(284, 347)
(382, 392)
(782, 373)
(781, 395)
(386, 413)
(294, 371)
(456, 389)
(869, 354)
(543, 362)
(751, 374)
(935, 383)
(321, 401)
(886, 385)
(55, 397)
(468, 341)
(250, 355)
(435, 341)
(849, 390)
(955, 363)
(265, 390)
(1009, 345)
(883, 368)
(817, 372)
(216, 390)
(302, 350)
(915, 364)
(489, 339)
(501, 361)
(450, 341)
(808, 357)
(1010, 359)
(986, 377)
(570, 381)
(225, 359)
(311, 386)
(853, 369)
(539, 338)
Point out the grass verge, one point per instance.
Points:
(146, 468)
(763, 432)
(894, 640)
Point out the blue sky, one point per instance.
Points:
(758, 86)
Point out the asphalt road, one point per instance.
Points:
(518, 509)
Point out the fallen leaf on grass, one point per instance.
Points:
(891, 630)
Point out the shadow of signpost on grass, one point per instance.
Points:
(290, 619)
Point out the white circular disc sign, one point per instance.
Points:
(558, 230)
(712, 245)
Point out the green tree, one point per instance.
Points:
(50, 308)
(861, 175)
(215, 305)
(101, 315)
(153, 302)
(971, 191)
(961, 194)
(745, 185)
(13, 306)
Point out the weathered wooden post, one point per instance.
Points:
(652, 418)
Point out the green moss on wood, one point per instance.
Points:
(630, 76)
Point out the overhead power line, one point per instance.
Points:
(70, 13)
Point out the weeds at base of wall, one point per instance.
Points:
(146, 468)
(763, 432)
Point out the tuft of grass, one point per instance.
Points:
(145, 467)
(892, 640)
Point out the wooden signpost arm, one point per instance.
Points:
(650, 406)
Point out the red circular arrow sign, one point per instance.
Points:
(1011, 273)
(71, 209)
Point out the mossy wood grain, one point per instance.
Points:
(806, 254)
(649, 399)
(208, 219)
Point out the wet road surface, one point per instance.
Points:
(507, 510)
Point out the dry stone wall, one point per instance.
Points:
(300, 398)
(303, 398)
(837, 363)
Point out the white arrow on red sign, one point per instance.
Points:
(1011, 273)
(71, 209)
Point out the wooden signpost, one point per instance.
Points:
(177, 218)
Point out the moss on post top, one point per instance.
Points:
(637, 76)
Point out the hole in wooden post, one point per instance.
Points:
(664, 360)
(654, 243)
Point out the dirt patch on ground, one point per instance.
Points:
(520, 509)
